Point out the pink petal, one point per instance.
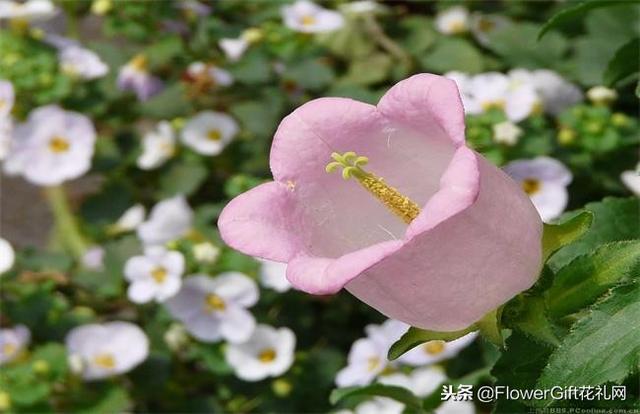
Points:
(459, 188)
(425, 100)
(323, 276)
(262, 222)
(450, 276)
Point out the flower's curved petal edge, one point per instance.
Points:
(459, 189)
(262, 222)
(475, 260)
(324, 276)
(425, 99)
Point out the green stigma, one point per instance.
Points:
(396, 202)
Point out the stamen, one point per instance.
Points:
(105, 360)
(434, 347)
(213, 303)
(352, 164)
(267, 355)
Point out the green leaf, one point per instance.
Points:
(575, 12)
(420, 34)
(453, 54)
(518, 46)
(533, 321)
(602, 347)
(367, 71)
(614, 219)
(416, 336)
(519, 367)
(555, 236)
(169, 103)
(182, 178)
(624, 62)
(586, 278)
(379, 390)
(489, 327)
(309, 74)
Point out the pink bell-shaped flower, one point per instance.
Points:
(418, 226)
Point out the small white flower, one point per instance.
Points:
(379, 405)
(233, 48)
(456, 407)
(629, 178)
(209, 73)
(216, 308)
(108, 349)
(158, 146)
(307, 17)
(7, 98)
(269, 352)
(176, 337)
(422, 382)
(93, 258)
(506, 133)
(453, 20)
(489, 90)
(555, 92)
(545, 180)
(169, 220)
(602, 95)
(154, 276)
(53, 146)
(482, 25)
(209, 132)
(6, 132)
(30, 10)
(135, 77)
(12, 342)
(205, 252)
(368, 356)
(82, 63)
(130, 219)
(361, 7)
(435, 351)
(273, 275)
(7, 256)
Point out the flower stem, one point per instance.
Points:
(66, 224)
(377, 33)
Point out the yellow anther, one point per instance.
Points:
(106, 361)
(267, 355)
(213, 302)
(434, 347)
(351, 164)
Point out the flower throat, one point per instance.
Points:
(399, 204)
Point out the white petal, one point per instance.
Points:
(237, 288)
(141, 291)
(237, 324)
(551, 200)
(131, 218)
(7, 256)
(632, 180)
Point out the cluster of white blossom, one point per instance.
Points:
(367, 363)
(519, 93)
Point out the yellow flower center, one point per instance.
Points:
(59, 144)
(396, 202)
(214, 135)
(373, 363)
(139, 63)
(308, 20)
(159, 274)
(213, 302)
(267, 355)
(105, 360)
(497, 104)
(9, 349)
(457, 27)
(434, 347)
(531, 185)
(485, 25)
